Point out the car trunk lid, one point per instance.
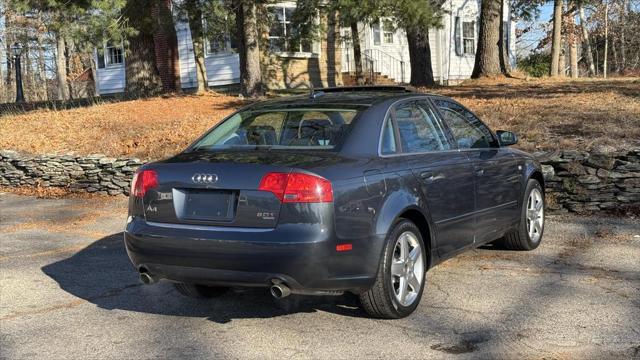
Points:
(221, 188)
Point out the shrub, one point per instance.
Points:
(535, 64)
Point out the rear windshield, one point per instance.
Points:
(290, 128)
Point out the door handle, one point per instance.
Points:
(480, 172)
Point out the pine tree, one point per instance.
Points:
(488, 55)
(142, 76)
(85, 24)
(251, 82)
(416, 17)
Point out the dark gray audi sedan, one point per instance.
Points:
(346, 189)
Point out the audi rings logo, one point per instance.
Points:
(204, 178)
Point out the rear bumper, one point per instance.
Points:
(303, 256)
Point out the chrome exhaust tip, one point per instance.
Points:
(280, 291)
(147, 279)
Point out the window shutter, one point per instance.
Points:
(375, 28)
(457, 36)
(100, 59)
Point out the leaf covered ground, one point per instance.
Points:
(546, 114)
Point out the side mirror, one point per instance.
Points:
(507, 138)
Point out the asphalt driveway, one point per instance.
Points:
(67, 290)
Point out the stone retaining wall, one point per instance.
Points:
(93, 173)
(581, 181)
(575, 180)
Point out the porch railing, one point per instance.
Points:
(376, 62)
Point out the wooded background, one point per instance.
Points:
(582, 38)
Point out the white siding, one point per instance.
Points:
(110, 79)
(511, 34)
(446, 64)
(188, 75)
(390, 59)
(223, 69)
(458, 67)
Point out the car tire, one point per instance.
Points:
(528, 234)
(199, 291)
(400, 267)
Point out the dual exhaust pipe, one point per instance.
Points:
(278, 289)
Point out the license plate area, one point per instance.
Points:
(205, 205)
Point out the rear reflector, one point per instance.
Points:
(344, 247)
(143, 181)
(297, 187)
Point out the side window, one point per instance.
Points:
(467, 129)
(388, 138)
(419, 129)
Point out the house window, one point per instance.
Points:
(111, 56)
(469, 37)
(375, 30)
(222, 42)
(465, 37)
(225, 45)
(282, 34)
(388, 33)
(382, 31)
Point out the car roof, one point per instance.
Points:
(363, 96)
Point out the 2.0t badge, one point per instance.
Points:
(204, 178)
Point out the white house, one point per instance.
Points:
(321, 62)
(222, 64)
(453, 46)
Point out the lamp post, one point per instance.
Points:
(17, 52)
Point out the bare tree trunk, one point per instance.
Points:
(61, 67)
(606, 38)
(557, 37)
(194, 12)
(623, 23)
(357, 52)
(251, 84)
(585, 37)
(3, 85)
(573, 54)
(614, 52)
(142, 77)
(562, 64)
(68, 56)
(10, 65)
(487, 61)
(42, 77)
(28, 81)
(420, 58)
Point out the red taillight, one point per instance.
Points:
(344, 247)
(275, 183)
(297, 187)
(143, 181)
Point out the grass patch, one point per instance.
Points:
(557, 114)
(146, 128)
(547, 114)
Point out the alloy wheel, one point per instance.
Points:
(407, 269)
(535, 215)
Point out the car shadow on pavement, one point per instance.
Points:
(102, 274)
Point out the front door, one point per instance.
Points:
(497, 177)
(444, 175)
